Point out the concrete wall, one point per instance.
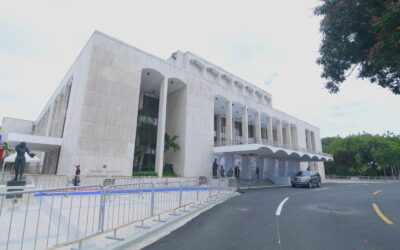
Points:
(13, 125)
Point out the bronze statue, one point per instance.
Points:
(19, 164)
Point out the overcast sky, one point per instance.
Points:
(272, 44)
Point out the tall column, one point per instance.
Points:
(258, 127)
(313, 146)
(308, 140)
(264, 133)
(162, 112)
(279, 132)
(64, 107)
(245, 126)
(229, 122)
(218, 129)
(270, 133)
(295, 140)
(288, 136)
(50, 120)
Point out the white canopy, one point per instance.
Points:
(28, 159)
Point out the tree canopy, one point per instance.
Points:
(362, 35)
(363, 154)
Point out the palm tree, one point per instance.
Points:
(170, 143)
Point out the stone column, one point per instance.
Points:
(288, 136)
(296, 137)
(228, 116)
(258, 128)
(270, 133)
(308, 140)
(50, 120)
(313, 146)
(162, 113)
(245, 126)
(279, 132)
(64, 109)
(54, 119)
(219, 129)
(264, 133)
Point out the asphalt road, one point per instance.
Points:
(335, 216)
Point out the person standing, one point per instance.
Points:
(237, 172)
(222, 171)
(77, 179)
(215, 167)
(258, 173)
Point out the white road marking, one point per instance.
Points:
(325, 188)
(279, 209)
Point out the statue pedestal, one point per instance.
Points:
(19, 186)
(16, 201)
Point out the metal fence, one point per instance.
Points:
(41, 181)
(56, 217)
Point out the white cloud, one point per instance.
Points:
(259, 41)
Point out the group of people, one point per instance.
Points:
(231, 173)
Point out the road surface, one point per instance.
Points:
(335, 216)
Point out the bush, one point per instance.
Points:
(169, 170)
(144, 173)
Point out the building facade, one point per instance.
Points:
(96, 116)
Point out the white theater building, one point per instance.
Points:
(92, 118)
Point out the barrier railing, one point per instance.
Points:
(56, 217)
(362, 178)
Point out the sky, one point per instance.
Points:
(270, 43)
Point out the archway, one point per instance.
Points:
(147, 120)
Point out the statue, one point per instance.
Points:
(19, 164)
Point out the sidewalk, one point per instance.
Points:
(137, 236)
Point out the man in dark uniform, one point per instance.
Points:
(19, 164)
(77, 179)
(215, 168)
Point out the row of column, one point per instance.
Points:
(58, 112)
(310, 141)
(260, 132)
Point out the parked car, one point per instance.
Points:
(307, 178)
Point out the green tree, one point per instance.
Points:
(362, 35)
(363, 154)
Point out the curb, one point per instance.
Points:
(156, 232)
(257, 187)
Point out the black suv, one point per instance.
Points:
(306, 178)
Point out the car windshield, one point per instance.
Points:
(302, 173)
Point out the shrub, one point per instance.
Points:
(144, 173)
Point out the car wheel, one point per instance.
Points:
(293, 185)
(319, 184)
(310, 185)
